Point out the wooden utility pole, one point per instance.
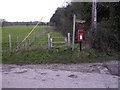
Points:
(94, 21)
(73, 41)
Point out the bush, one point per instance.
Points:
(106, 37)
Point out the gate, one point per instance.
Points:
(64, 42)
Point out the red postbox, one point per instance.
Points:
(80, 35)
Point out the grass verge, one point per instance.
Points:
(56, 56)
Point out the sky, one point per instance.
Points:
(28, 10)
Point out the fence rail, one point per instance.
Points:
(66, 41)
(14, 42)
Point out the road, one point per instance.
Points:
(58, 76)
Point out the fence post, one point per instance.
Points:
(68, 39)
(49, 41)
(18, 42)
(10, 42)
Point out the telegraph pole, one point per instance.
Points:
(94, 21)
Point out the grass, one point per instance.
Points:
(38, 37)
(39, 54)
(56, 56)
(15, 31)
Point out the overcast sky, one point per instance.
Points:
(28, 10)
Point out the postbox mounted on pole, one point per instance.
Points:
(81, 37)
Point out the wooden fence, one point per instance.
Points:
(66, 41)
(27, 44)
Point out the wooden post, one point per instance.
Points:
(94, 22)
(68, 39)
(49, 41)
(10, 42)
(18, 42)
(74, 18)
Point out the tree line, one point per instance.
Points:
(108, 22)
(6, 23)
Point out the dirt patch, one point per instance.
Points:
(102, 68)
(88, 75)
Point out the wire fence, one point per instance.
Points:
(36, 40)
(14, 42)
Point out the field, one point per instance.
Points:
(18, 33)
(39, 53)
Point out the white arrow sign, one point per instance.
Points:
(80, 21)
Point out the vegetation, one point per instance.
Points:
(108, 16)
(56, 56)
(41, 54)
(38, 37)
(20, 31)
(107, 40)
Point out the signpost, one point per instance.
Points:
(73, 41)
(75, 21)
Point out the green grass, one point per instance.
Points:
(15, 31)
(56, 56)
(40, 54)
(38, 37)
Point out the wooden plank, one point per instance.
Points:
(58, 42)
(59, 46)
(58, 37)
(80, 21)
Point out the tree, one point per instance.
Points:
(107, 35)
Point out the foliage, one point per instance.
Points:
(108, 17)
(108, 34)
